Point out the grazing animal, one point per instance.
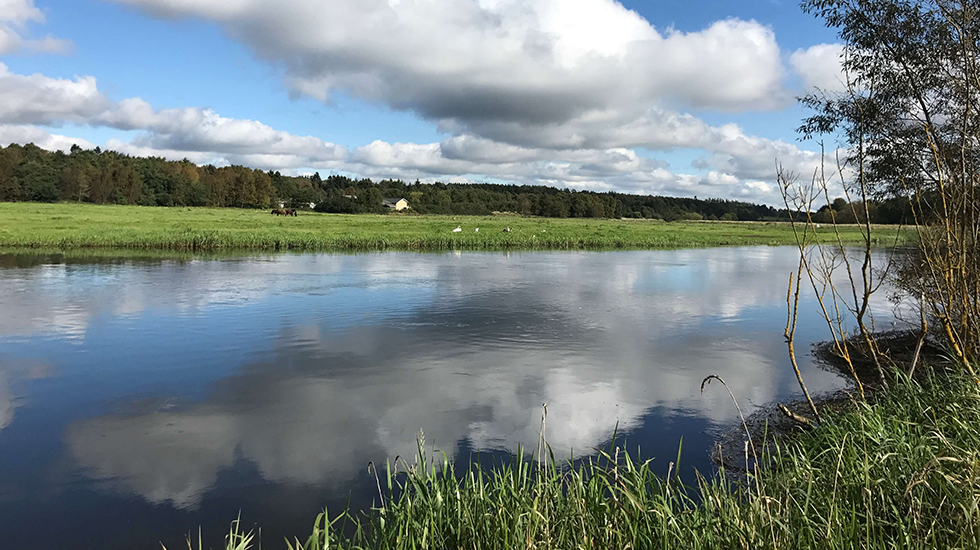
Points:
(458, 229)
(477, 230)
(506, 230)
(291, 212)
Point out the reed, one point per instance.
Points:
(900, 470)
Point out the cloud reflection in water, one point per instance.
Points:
(363, 351)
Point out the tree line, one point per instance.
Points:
(29, 173)
(348, 195)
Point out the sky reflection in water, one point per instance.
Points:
(140, 399)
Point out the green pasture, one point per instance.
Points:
(68, 226)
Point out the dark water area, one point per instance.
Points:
(143, 398)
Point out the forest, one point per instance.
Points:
(29, 173)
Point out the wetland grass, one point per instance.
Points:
(901, 470)
(69, 226)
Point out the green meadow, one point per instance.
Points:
(69, 226)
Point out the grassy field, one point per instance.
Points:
(901, 472)
(74, 226)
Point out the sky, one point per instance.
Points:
(679, 98)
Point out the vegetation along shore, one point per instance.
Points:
(73, 226)
(898, 471)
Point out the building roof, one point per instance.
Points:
(392, 200)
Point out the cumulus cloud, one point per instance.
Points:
(517, 71)
(737, 166)
(202, 130)
(200, 134)
(21, 134)
(15, 15)
(38, 99)
(599, 170)
(555, 92)
(730, 149)
(594, 151)
(820, 67)
(510, 59)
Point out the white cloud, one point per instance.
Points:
(203, 130)
(526, 60)
(820, 67)
(22, 134)
(199, 134)
(19, 12)
(734, 171)
(559, 92)
(15, 15)
(38, 99)
(594, 151)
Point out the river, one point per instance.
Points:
(143, 398)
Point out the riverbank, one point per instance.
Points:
(901, 471)
(69, 226)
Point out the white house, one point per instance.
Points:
(395, 204)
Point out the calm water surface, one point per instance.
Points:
(140, 399)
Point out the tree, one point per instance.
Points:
(909, 121)
(74, 182)
(370, 200)
(38, 181)
(128, 184)
(10, 158)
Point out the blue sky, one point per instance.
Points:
(671, 97)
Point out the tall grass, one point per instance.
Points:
(899, 471)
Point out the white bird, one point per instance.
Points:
(477, 230)
(458, 229)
